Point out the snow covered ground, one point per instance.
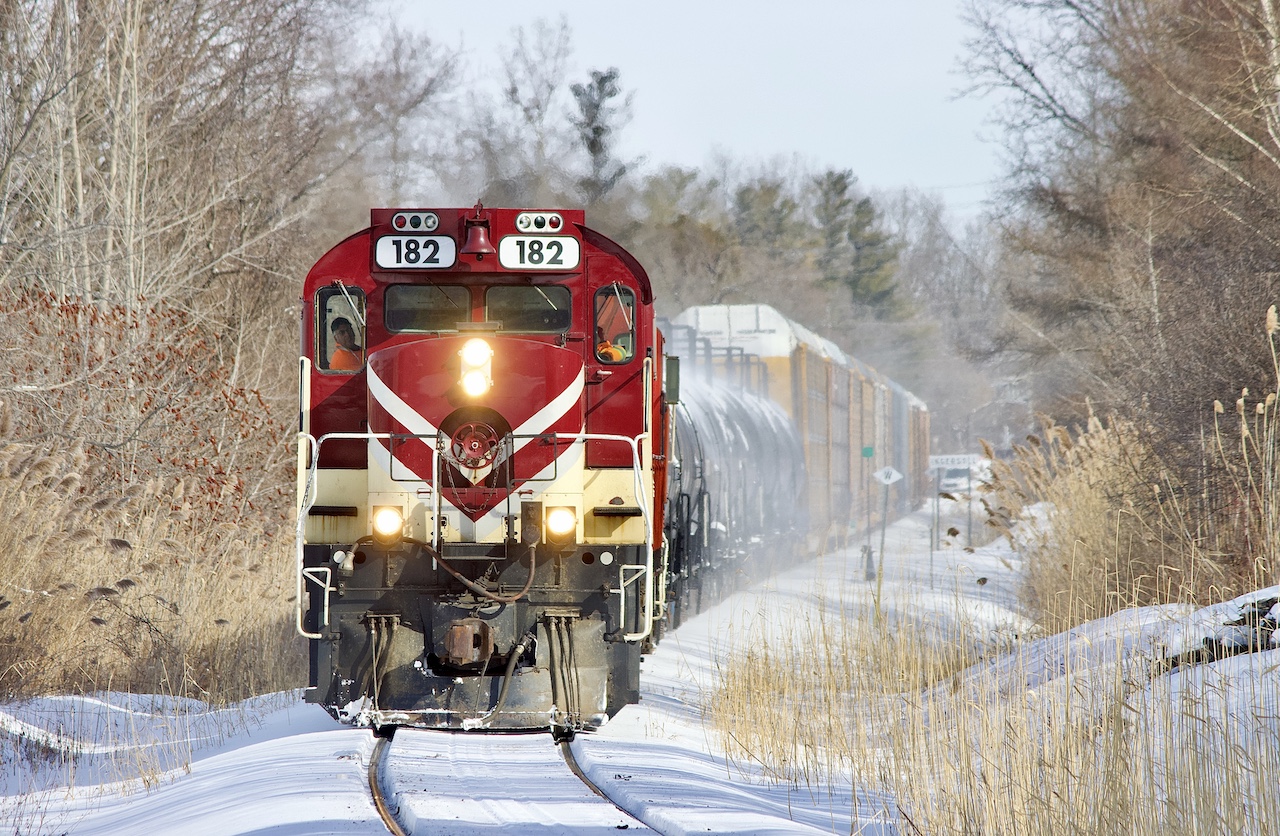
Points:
(142, 764)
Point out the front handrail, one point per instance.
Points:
(642, 500)
(308, 500)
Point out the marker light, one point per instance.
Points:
(388, 523)
(561, 522)
(539, 222)
(477, 359)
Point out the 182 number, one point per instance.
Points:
(420, 252)
(414, 251)
(539, 252)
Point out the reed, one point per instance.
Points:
(835, 704)
(131, 590)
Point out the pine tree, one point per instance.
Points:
(856, 252)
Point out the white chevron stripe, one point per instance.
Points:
(411, 420)
(556, 409)
(538, 423)
(567, 461)
(397, 408)
(382, 456)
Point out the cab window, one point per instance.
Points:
(340, 329)
(615, 324)
(535, 310)
(417, 307)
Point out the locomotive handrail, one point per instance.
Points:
(304, 508)
(437, 496)
(659, 590)
(637, 470)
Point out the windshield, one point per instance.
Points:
(539, 310)
(416, 307)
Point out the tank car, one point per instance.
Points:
(481, 471)
(735, 491)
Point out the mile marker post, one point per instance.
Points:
(870, 569)
(885, 476)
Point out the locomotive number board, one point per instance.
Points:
(539, 252)
(415, 252)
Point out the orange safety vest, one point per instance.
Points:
(345, 360)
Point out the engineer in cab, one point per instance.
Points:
(347, 355)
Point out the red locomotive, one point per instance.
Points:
(501, 503)
(482, 471)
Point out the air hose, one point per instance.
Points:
(516, 653)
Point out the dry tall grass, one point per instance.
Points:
(1122, 530)
(129, 590)
(825, 701)
(1116, 531)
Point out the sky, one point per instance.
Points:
(119, 763)
(864, 85)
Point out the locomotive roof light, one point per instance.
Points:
(415, 221)
(477, 367)
(388, 524)
(562, 524)
(539, 222)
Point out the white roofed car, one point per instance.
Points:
(763, 331)
(757, 329)
(852, 419)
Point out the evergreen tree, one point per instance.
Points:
(856, 251)
(765, 215)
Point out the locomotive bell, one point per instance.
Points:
(477, 242)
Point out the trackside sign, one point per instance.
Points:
(960, 460)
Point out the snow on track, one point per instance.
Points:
(313, 784)
(461, 784)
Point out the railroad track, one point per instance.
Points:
(435, 782)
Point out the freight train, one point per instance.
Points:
(505, 498)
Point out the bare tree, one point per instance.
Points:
(523, 144)
(154, 161)
(398, 108)
(1145, 140)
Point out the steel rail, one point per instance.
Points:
(566, 751)
(375, 788)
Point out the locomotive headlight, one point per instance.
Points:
(477, 362)
(388, 523)
(475, 383)
(476, 353)
(561, 523)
